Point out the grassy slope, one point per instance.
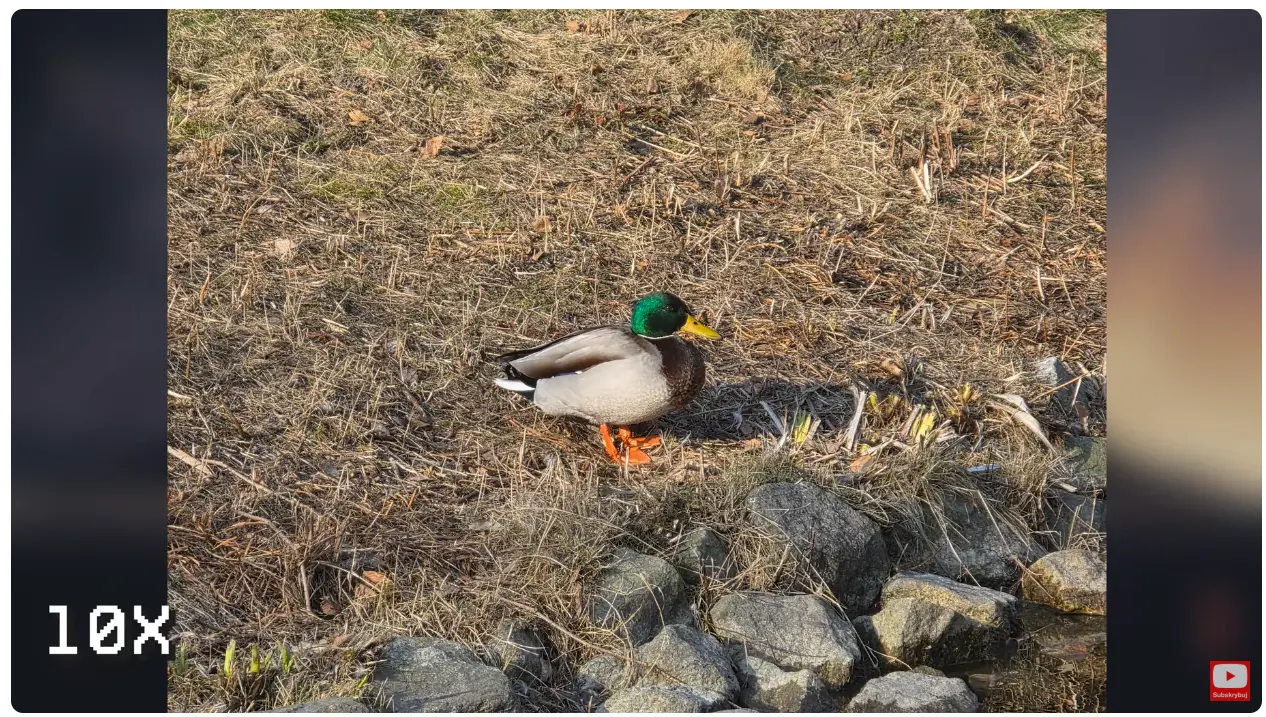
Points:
(333, 291)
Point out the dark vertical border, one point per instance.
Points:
(1185, 560)
(89, 345)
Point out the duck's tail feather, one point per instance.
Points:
(517, 386)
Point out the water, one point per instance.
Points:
(1058, 663)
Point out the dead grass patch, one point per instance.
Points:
(334, 290)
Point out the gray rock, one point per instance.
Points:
(795, 632)
(984, 683)
(601, 676)
(768, 687)
(991, 608)
(335, 705)
(1070, 516)
(982, 548)
(914, 692)
(702, 554)
(1052, 372)
(843, 546)
(639, 594)
(1070, 581)
(519, 652)
(1088, 459)
(683, 656)
(679, 657)
(926, 670)
(421, 674)
(916, 632)
(604, 674)
(655, 699)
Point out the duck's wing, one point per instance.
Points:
(574, 352)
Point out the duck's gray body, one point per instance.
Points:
(607, 375)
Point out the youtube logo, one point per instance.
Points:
(1228, 681)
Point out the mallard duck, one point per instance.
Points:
(616, 375)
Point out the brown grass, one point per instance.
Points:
(343, 469)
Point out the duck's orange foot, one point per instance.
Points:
(609, 444)
(636, 444)
(636, 456)
(644, 442)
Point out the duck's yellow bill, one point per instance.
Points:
(693, 326)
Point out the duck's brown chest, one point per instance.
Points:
(683, 370)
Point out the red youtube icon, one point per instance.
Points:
(1228, 681)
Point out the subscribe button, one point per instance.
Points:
(1228, 681)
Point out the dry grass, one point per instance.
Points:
(344, 470)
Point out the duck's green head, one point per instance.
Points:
(661, 315)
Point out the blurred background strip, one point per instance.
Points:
(1184, 331)
(89, 343)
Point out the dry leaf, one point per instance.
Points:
(357, 117)
(682, 15)
(892, 367)
(283, 247)
(1015, 400)
(432, 146)
(373, 583)
(541, 225)
(1019, 411)
(860, 462)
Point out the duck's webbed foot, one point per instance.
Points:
(608, 443)
(634, 445)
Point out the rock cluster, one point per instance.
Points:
(764, 651)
